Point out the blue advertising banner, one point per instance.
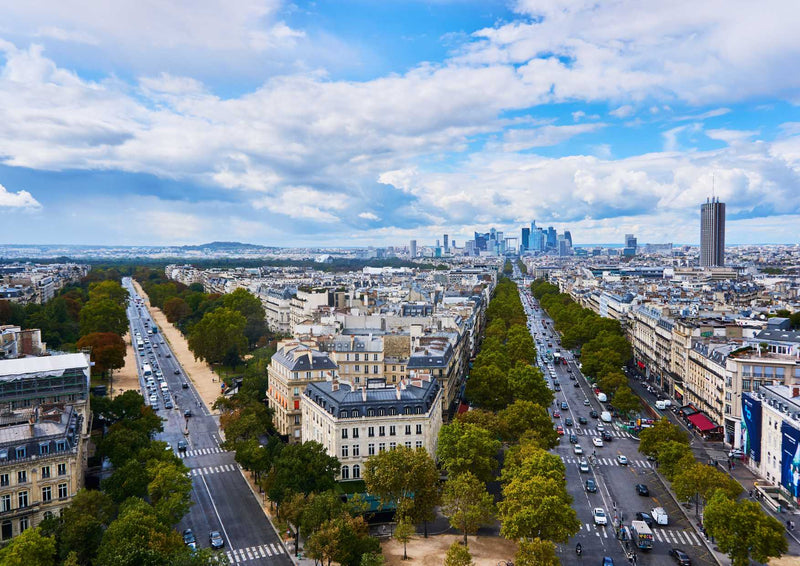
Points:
(790, 459)
(751, 427)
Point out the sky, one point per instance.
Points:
(355, 122)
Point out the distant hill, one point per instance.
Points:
(224, 246)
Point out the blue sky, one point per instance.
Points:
(372, 123)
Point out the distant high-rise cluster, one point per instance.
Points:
(712, 233)
(546, 240)
(631, 245)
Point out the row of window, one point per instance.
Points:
(358, 357)
(6, 529)
(381, 412)
(22, 497)
(22, 475)
(44, 449)
(382, 431)
(357, 369)
(356, 448)
(768, 372)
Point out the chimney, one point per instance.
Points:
(363, 394)
(397, 392)
(335, 385)
(795, 392)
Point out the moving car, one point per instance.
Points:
(593, 414)
(583, 466)
(189, 539)
(577, 448)
(582, 420)
(600, 517)
(215, 539)
(600, 427)
(560, 430)
(187, 413)
(642, 516)
(585, 402)
(591, 486)
(608, 561)
(564, 406)
(573, 439)
(568, 421)
(576, 385)
(680, 557)
(182, 446)
(606, 436)
(641, 489)
(622, 459)
(556, 414)
(597, 441)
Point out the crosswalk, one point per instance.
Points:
(668, 536)
(202, 452)
(212, 470)
(608, 462)
(594, 432)
(254, 553)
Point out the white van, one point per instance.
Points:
(164, 387)
(663, 404)
(602, 397)
(659, 516)
(605, 416)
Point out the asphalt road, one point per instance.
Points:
(616, 493)
(222, 498)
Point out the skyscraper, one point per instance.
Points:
(526, 239)
(712, 233)
(568, 237)
(445, 242)
(552, 238)
(412, 248)
(630, 245)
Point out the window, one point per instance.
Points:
(419, 444)
(371, 431)
(62, 469)
(24, 523)
(408, 429)
(22, 476)
(356, 472)
(44, 448)
(418, 410)
(3, 454)
(381, 431)
(297, 391)
(21, 452)
(370, 412)
(392, 445)
(357, 358)
(5, 502)
(345, 473)
(354, 415)
(344, 433)
(381, 412)
(382, 447)
(419, 429)
(22, 499)
(392, 411)
(355, 433)
(374, 357)
(370, 449)
(356, 450)
(408, 444)
(406, 410)
(45, 472)
(297, 419)
(5, 530)
(62, 491)
(4, 480)
(745, 385)
(747, 371)
(392, 430)
(345, 451)
(47, 494)
(779, 373)
(758, 371)
(374, 369)
(61, 445)
(308, 376)
(48, 514)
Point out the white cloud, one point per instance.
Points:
(704, 115)
(731, 136)
(20, 199)
(517, 140)
(305, 203)
(623, 111)
(67, 35)
(369, 216)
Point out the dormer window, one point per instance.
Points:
(21, 452)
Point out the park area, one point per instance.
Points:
(486, 551)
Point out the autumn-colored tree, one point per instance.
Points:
(176, 309)
(107, 351)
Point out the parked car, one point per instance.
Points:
(556, 414)
(680, 557)
(560, 430)
(189, 539)
(642, 516)
(215, 539)
(641, 489)
(599, 515)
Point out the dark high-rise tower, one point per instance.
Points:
(712, 233)
(526, 238)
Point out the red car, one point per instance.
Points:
(556, 415)
(560, 430)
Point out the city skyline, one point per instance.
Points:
(357, 124)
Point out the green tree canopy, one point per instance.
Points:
(673, 456)
(219, 336)
(467, 448)
(537, 507)
(107, 351)
(103, 315)
(457, 555)
(29, 548)
(527, 383)
(176, 309)
(108, 289)
(528, 459)
(625, 400)
(467, 504)
(83, 523)
(403, 532)
(524, 416)
(536, 552)
(250, 307)
(302, 468)
(488, 388)
(650, 439)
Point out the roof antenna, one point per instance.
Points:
(712, 187)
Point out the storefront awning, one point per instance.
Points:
(679, 390)
(702, 422)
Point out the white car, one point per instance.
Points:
(622, 459)
(599, 515)
(597, 441)
(577, 448)
(600, 427)
(583, 467)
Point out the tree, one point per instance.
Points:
(701, 481)
(458, 555)
(466, 448)
(250, 307)
(403, 533)
(537, 507)
(108, 290)
(670, 457)
(625, 400)
(527, 384)
(176, 309)
(344, 540)
(108, 351)
(484, 419)
(84, 522)
(372, 559)
(523, 416)
(536, 552)
(219, 334)
(29, 548)
(529, 459)
(302, 468)
(103, 315)
(487, 387)
(467, 504)
(662, 431)
(169, 490)
(743, 531)
(243, 420)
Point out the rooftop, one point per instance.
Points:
(42, 365)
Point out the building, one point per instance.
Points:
(712, 233)
(354, 423)
(357, 358)
(277, 310)
(15, 342)
(446, 243)
(526, 238)
(412, 249)
(304, 304)
(291, 368)
(44, 426)
(630, 245)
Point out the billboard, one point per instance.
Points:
(790, 459)
(751, 427)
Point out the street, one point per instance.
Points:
(223, 500)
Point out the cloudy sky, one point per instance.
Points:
(360, 122)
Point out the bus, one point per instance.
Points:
(641, 535)
(146, 371)
(139, 345)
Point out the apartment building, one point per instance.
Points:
(354, 423)
(304, 303)
(44, 425)
(277, 309)
(292, 367)
(15, 342)
(358, 358)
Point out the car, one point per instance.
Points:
(564, 406)
(556, 415)
(576, 385)
(642, 516)
(187, 413)
(594, 414)
(642, 490)
(680, 557)
(622, 459)
(153, 399)
(568, 421)
(600, 427)
(583, 466)
(169, 355)
(560, 430)
(177, 372)
(591, 486)
(607, 436)
(168, 404)
(182, 446)
(597, 441)
(189, 539)
(608, 561)
(573, 439)
(215, 539)
(599, 515)
(585, 402)
(659, 516)
(582, 420)
(557, 388)
(556, 382)
(577, 449)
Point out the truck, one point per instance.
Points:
(557, 357)
(641, 535)
(659, 516)
(663, 404)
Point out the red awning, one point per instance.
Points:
(702, 422)
(463, 408)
